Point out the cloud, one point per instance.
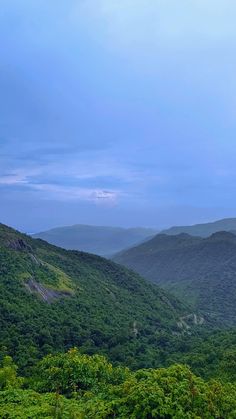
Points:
(65, 193)
(62, 189)
(13, 179)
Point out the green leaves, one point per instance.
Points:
(8, 375)
(73, 372)
(100, 390)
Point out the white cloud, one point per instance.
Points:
(65, 193)
(13, 179)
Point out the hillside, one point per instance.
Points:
(103, 241)
(203, 230)
(52, 299)
(200, 271)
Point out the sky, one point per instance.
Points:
(117, 112)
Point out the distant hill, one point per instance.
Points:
(53, 299)
(200, 271)
(103, 241)
(204, 230)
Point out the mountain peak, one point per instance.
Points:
(222, 235)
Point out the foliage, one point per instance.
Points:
(8, 375)
(111, 311)
(24, 404)
(74, 372)
(77, 386)
(76, 299)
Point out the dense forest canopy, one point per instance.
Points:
(73, 385)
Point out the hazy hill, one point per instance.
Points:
(200, 271)
(52, 299)
(204, 230)
(103, 241)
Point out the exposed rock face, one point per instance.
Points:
(46, 294)
(36, 260)
(190, 320)
(19, 244)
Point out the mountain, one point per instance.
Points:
(52, 299)
(204, 230)
(103, 241)
(200, 271)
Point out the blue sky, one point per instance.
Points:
(117, 112)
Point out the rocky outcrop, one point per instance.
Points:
(19, 244)
(46, 294)
(190, 320)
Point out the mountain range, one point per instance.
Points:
(52, 299)
(100, 240)
(204, 230)
(201, 271)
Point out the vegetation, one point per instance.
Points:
(200, 271)
(74, 385)
(103, 241)
(52, 299)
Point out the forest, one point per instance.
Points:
(82, 337)
(75, 385)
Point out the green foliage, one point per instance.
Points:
(74, 372)
(104, 310)
(8, 375)
(28, 404)
(210, 354)
(74, 385)
(111, 311)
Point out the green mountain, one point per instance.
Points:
(203, 230)
(200, 271)
(103, 241)
(53, 299)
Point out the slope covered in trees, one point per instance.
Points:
(200, 271)
(52, 299)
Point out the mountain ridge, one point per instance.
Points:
(199, 270)
(100, 240)
(203, 229)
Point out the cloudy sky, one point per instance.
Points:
(117, 112)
